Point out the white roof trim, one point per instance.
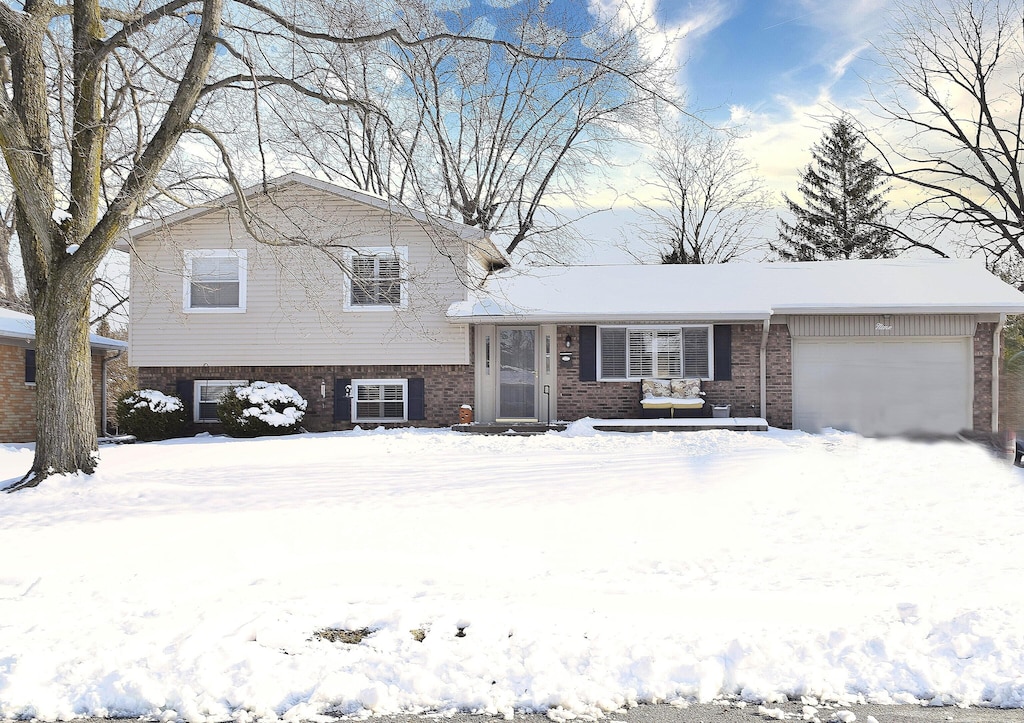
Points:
(16, 325)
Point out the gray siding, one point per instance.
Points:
(294, 303)
(881, 325)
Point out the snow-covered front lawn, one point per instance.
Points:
(576, 572)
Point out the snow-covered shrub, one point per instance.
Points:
(150, 415)
(260, 409)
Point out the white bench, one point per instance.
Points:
(672, 394)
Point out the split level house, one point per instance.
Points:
(18, 375)
(380, 315)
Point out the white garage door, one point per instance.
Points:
(880, 387)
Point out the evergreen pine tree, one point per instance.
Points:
(843, 205)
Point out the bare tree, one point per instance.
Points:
(487, 135)
(704, 202)
(953, 106)
(108, 106)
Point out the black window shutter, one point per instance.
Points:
(30, 366)
(588, 353)
(184, 388)
(417, 400)
(342, 400)
(723, 352)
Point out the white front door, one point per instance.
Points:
(517, 373)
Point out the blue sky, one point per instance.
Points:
(766, 55)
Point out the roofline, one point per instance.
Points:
(228, 199)
(95, 342)
(740, 316)
(795, 310)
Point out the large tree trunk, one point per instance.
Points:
(65, 413)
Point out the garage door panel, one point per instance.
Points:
(878, 387)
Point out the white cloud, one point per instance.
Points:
(670, 39)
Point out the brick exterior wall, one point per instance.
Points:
(779, 377)
(446, 388)
(621, 400)
(743, 391)
(983, 377)
(18, 399)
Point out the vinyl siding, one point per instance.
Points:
(885, 326)
(294, 302)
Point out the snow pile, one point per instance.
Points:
(264, 396)
(210, 579)
(154, 400)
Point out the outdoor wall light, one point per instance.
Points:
(568, 340)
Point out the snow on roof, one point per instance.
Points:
(739, 291)
(16, 325)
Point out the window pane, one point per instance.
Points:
(696, 352)
(210, 393)
(380, 402)
(669, 354)
(376, 280)
(215, 294)
(613, 353)
(215, 268)
(641, 353)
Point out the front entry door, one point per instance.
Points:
(517, 373)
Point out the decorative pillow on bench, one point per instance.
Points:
(686, 388)
(656, 388)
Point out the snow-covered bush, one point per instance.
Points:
(150, 415)
(260, 409)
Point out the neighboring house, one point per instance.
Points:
(377, 315)
(879, 347)
(18, 375)
(343, 297)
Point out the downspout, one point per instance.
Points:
(103, 388)
(996, 355)
(763, 358)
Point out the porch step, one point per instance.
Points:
(520, 429)
(696, 424)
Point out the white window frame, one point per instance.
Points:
(402, 253)
(196, 395)
(356, 383)
(653, 328)
(241, 255)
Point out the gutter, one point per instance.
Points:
(103, 389)
(996, 355)
(763, 361)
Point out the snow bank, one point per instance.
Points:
(574, 573)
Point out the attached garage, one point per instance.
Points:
(883, 375)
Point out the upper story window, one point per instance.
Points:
(215, 280)
(655, 352)
(377, 278)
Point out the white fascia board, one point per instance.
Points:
(634, 318)
(796, 309)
